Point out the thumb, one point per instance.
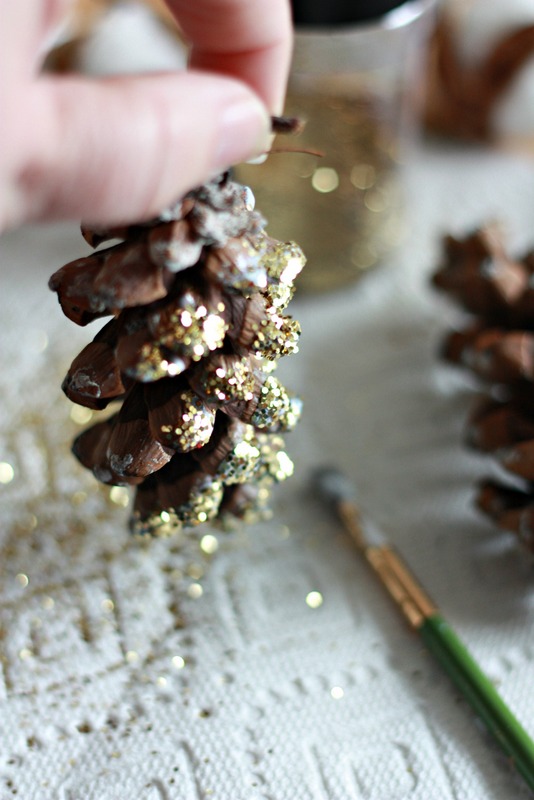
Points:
(121, 149)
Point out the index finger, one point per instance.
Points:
(245, 39)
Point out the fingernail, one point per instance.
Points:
(244, 133)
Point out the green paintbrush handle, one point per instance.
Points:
(476, 687)
(423, 616)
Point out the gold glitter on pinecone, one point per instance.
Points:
(196, 300)
(497, 345)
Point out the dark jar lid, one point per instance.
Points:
(340, 12)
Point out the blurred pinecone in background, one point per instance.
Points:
(497, 345)
(197, 299)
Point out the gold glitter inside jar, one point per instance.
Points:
(312, 199)
(337, 188)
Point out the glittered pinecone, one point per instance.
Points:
(497, 345)
(196, 300)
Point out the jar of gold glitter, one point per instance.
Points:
(356, 80)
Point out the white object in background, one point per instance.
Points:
(129, 38)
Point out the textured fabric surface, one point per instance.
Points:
(157, 672)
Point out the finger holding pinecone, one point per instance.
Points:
(497, 346)
(196, 300)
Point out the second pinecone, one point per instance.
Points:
(497, 345)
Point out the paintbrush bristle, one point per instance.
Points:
(332, 485)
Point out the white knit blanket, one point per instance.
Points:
(158, 672)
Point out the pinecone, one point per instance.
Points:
(196, 299)
(460, 98)
(497, 345)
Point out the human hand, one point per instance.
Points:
(121, 149)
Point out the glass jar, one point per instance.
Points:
(358, 89)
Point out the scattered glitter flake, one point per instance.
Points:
(178, 662)
(7, 473)
(25, 654)
(84, 727)
(161, 681)
(314, 599)
(337, 692)
(81, 415)
(119, 495)
(28, 523)
(195, 591)
(195, 571)
(285, 532)
(209, 544)
(132, 657)
(48, 603)
(78, 498)
(22, 579)
(107, 605)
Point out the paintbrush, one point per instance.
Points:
(425, 618)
